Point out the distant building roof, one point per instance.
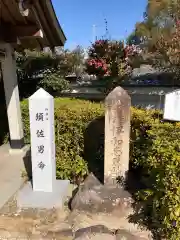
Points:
(142, 70)
(146, 75)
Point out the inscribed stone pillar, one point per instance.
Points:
(117, 134)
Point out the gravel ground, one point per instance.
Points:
(63, 224)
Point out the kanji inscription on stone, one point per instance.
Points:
(117, 131)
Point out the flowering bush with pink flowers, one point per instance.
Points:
(97, 65)
(110, 58)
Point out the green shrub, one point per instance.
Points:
(54, 83)
(154, 153)
(155, 149)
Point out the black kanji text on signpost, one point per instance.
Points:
(39, 117)
(40, 133)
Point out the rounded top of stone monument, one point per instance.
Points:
(117, 93)
(40, 93)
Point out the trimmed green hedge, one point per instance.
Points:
(155, 149)
(154, 155)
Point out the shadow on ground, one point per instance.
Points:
(71, 199)
(28, 165)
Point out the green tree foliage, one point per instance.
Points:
(46, 69)
(70, 61)
(160, 32)
(33, 68)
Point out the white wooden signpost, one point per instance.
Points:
(41, 110)
(172, 106)
(45, 191)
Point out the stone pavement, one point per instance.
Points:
(11, 166)
(80, 223)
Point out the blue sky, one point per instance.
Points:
(77, 18)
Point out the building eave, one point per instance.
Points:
(30, 24)
(55, 22)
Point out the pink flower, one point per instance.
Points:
(178, 23)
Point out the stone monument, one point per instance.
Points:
(172, 106)
(93, 197)
(45, 191)
(117, 131)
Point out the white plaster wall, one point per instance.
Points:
(147, 101)
(146, 97)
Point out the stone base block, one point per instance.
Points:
(27, 198)
(22, 151)
(92, 196)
